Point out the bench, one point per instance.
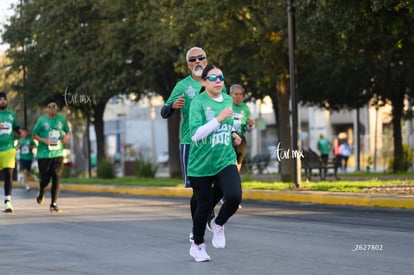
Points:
(312, 161)
(331, 165)
(259, 162)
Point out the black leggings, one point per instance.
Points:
(184, 151)
(217, 196)
(8, 181)
(228, 180)
(50, 168)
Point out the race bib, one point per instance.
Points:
(237, 122)
(25, 149)
(54, 137)
(7, 128)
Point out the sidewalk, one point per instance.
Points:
(315, 197)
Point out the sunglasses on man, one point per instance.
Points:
(194, 58)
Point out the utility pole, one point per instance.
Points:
(294, 105)
(23, 68)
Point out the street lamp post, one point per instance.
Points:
(24, 71)
(376, 134)
(292, 40)
(152, 116)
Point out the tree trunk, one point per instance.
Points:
(99, 131)
(284, 129)
(78, 150)
(397, 112)
(174, 161)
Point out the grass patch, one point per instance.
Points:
(250, 184)
(350, 186)
(260, 185)
(127, 181)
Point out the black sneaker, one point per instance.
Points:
(55, 208)
(40, 199)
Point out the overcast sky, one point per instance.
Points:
(5, 12)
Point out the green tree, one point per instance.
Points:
(76, 48)
(248, 41)
(368, 45)
(100, 48)
(163, 50)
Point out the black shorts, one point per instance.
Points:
(25, 164)
(50, 166)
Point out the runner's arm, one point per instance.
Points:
(205, 130)
(167, 111)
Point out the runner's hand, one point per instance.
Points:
(179, 103)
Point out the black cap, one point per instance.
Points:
(2, 94)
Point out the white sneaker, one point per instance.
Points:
(8, 208)
(199, 253)
(191, 237)
(219, 240)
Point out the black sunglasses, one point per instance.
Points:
(194, 58)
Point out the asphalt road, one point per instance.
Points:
(125, 234)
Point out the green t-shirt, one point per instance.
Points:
(9, 121)
(215, 152)
(190, 88)
(53, 128)
(241, 114)
(324, 146)
(26, 148)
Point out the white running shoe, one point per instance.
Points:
(199, 253)
(8, 208)
(219, 240)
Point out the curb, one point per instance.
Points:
(354, 199)
(319, 197)
(315, 197)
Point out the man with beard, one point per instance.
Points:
(180, 99)
(8, 124)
